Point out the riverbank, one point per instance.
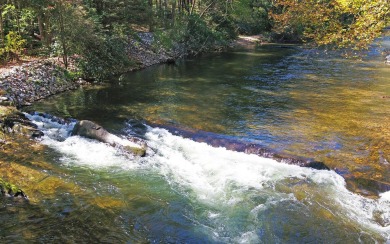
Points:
(29, 82)
(23, 83)
(34, 79)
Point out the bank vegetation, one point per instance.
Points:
(96, 33)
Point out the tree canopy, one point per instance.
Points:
(67, 28)
(340, 23)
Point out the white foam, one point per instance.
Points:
(224, 180)
(248, 237)
(211, 171)
(51, 128)
(78, 150)
(385, 196)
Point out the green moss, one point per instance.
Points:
(8, 188)
(72, 75)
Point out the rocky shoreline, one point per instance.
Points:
(142, 51)
(34, 81)
(23, 84)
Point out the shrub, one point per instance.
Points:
(14, 44)
(107, 57)
(194, 34)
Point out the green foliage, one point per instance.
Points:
(72, 75)
(339, 23)
(18, 19)
(107, 57)
(251, 16)
(98, 53)
(14, 44)
(223, 28)
(97, 31)
(113, 13)
(197, 36)
(8, 188)
(192, 35)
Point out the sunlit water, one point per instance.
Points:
(185, 191)
(301, 102)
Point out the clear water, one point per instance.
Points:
(305, 103)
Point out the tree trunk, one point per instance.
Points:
(165, 7)
(47, 30)
(150, 17)
(41, 29)
(63, 40)
(173, 13)
(166, 14)
(193, 6)
(1, 29)
(18, 16)
(206, 9)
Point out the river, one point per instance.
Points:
(304, 103)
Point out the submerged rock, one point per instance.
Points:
(317, 165)
(94, 131)
(366, 187)
(234, 144)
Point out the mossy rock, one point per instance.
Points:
(11, 120)
(9, 189)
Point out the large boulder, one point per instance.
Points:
(94, 131)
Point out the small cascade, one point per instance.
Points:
(238, 196)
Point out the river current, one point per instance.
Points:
(305, 103)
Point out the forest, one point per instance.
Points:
(97, 31)
(282, 139)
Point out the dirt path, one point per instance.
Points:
(250, 41)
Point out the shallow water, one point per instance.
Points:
(305, 103)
